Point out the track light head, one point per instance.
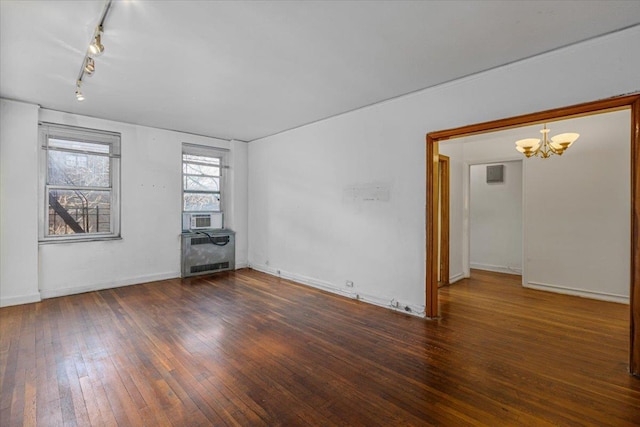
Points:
(96, 48)
(79, 95)
(89, 66)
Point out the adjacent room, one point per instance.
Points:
(319, 213)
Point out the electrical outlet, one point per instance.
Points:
(349, 284)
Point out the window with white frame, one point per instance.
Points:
(80, 183)
(202, 178)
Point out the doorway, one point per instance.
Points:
(632, 103)
(495, 217)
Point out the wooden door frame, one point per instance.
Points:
(443, 164)
(631, 102)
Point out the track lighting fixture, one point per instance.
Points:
(89, 66)
(96, 48)
(79, 95)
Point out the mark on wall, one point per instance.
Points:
(368, 192)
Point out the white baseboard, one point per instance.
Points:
(53, 293)
(389, 303)
(496, 268)
(240, 265)
(456, 278)
(19, 300)
(603, 296)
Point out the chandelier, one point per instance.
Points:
(556, 145)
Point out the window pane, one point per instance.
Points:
(78, 169)
(200, 159)
(79, 211)
(201, 183)
(201, 202)
(79, 145)
(191, 169)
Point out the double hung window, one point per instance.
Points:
(202, 175)
(80, 175)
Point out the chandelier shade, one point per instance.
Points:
(545, 147)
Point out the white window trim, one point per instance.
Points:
(208, 151)
(113, 139)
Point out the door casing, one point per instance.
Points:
(443, 164)
(631, 102)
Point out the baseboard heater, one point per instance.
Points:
(208, 251)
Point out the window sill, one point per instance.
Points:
(54, 241)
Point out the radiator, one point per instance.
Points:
(208, 251)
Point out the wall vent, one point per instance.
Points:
(216, 240)
(209, 267)
(495, 173)
(200, 241)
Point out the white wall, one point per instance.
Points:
(303, 220)
(18, 203)
(238, 205)
(577, 212)
(495, 219)
(151, 184)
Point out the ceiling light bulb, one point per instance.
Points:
(90, 66)
(96, 48)
(79, 95)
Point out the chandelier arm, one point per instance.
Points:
(537, 150)
(544, 150)
(546, 147)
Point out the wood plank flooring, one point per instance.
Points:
(248, 349)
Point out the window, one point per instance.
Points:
(80, 175)
(202, 178)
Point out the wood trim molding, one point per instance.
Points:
(634, 293)
(431, 306)
(621, 102)
(443, 163)
(616, 103)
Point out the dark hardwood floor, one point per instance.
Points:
(248, 349)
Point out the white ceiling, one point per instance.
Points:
(244, 70)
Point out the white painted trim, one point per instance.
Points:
(417, 311)
(138, 280)
(456, 278)
(496, 268)
(603, 296)
(243, 264)
(22, 299)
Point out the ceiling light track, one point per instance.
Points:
(95, 49)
